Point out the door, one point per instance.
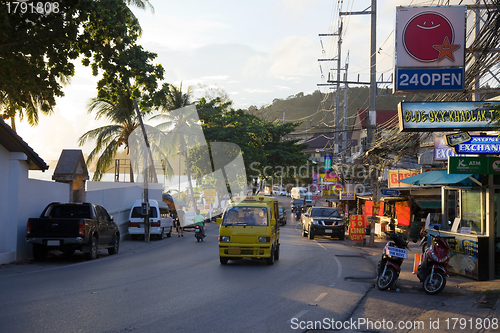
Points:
(106, 227)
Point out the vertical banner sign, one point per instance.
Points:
(430, 48)
(356, 228)
(374, 208)
(403, 213)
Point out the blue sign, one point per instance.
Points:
(390, 192)
(479, 145)
(422, 79)
(328, 164)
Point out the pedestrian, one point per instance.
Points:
(180, 221)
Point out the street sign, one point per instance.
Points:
(474, 165)
(390, 192)
(479, 145)
(209, 200)
(209, 192)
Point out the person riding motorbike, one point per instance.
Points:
(199, 220)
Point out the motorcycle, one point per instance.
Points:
(198, 233)
(389, 266)
(423, 239)
(298, 211)
(432, 270)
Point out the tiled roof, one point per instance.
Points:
(14, 143)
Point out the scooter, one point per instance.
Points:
(298, 211)
(432, 270)
(198, 233)
(389, 266)
(423, 239)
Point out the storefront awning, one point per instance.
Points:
(440, 177)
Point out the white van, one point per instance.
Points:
(159, 218)
(298, 192)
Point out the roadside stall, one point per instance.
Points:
(464, 210)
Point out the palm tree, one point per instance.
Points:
(123, 119)
(182, 124)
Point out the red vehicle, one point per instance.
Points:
(432, 270)
(389, 267)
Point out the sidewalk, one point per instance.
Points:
(463, 300)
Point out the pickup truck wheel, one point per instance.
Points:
(342, 235)
(169, 234)
(277, 253)
(39, 252)
(310, 234)
(93, 250)
(116, 245)
(223, 261)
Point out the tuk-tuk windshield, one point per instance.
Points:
(245, 215)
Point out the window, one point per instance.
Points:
(244, 215)
(473, 210)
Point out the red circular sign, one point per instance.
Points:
(423, 31)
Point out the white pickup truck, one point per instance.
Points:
(160, 220)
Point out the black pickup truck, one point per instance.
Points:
(72, 226)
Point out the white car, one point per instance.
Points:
(161, 223)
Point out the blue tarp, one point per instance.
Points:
(435, 178)
(169, 197)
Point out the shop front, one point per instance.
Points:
(469, 214)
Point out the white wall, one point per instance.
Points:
(118, 198)
(22, 197)
(33, 198)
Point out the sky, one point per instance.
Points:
(256, 51)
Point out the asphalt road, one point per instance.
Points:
(178, 285)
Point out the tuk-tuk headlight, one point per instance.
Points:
(224, 239)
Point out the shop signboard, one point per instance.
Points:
(325, 178)
(442, 150)
(430, 48)
(356, 228)
(479, 145)
(447, 116)
(374, 208)
(403, 213)
(396, 177)
(474, 165)
(347, 196)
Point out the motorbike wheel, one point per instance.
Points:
(385, 281)
(424, 247)
(436, 285)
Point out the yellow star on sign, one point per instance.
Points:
(446, 49)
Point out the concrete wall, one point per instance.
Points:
(22, 197)
(118, 198)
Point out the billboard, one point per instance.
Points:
(447, 116)
(430, 48)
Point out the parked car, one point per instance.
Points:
(68, 227)
(323, 221)
(160, 220)
(282, 215)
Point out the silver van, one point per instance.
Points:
(160, 220)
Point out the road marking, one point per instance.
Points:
(298, 315)
(337, 261)
(320, 297)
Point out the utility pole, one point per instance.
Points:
(371, 119)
